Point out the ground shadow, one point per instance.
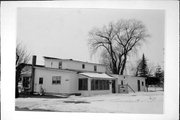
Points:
(76, 102)
(27, 109)
(42, 96)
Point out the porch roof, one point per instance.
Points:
(26, 73)
(97, 75)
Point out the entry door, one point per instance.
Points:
(113, 86)
(26, 82)
(138, 83)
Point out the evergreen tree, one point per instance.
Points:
(143, 68)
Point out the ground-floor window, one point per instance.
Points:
(40, 80)
(26, 82)
(83, 84)
(56, 79)
(142, 83)
(99, 84)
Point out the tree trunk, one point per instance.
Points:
(147, 84)
(123, 65)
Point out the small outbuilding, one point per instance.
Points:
(127, 83)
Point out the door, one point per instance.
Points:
(113, 86)
(26, 82)
(138, 83)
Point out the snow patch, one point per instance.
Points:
(140, 102)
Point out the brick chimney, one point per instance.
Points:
(33, 60)
(33, 73)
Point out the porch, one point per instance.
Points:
(94, 83)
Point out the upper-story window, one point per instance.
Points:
(83, 66)
(51, 64)
(60, 64)
(95, 68)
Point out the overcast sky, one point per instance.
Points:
(63, 33)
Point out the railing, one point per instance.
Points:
(123, 89)
(130, 88)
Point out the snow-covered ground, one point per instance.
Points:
(140, 102)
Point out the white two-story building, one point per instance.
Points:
(67, 76)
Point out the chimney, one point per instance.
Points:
(33, 73)
(33, 60)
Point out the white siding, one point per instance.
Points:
(52, 63)
(74, 65)
(131, 81)
(78, 66)
(68, 81)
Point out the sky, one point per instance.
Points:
(63, 32)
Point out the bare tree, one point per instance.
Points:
(116, 41)
(22, 58)
(135, 67)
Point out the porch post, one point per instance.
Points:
(89, 86)
(110, 86)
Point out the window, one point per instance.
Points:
(99, 84)
(60, 64)
(40, 80)
(92, 84)
(83, 66)
(56, 80)
(26, 82)
(95, 68)
(142, 83)
(83, 84)
(121, 82)
(96, 85)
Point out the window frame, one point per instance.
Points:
(51, 64)
(41, 80)
(56, 80)
(60, 65)
(83, 84)
(99, 84)
(26, 81)
(83, 66)
(142, 83)
(95, 68)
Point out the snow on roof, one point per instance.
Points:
(26, 73)
(97, 75)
